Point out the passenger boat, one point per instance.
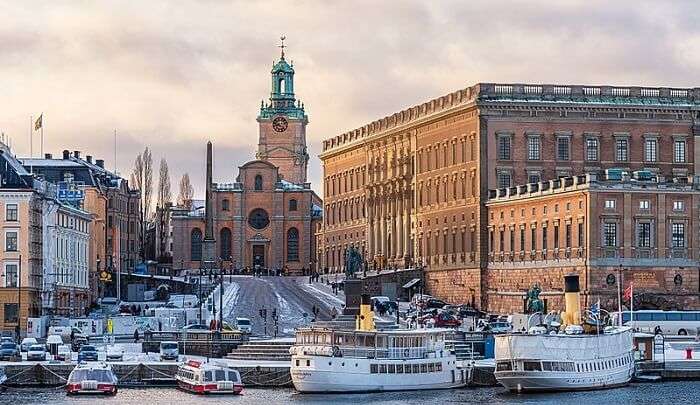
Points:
(565, 360)
(92, 378)
(328, 360)
(202, 378)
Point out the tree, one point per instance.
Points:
(164, 199)
(186, 193)
(142, 178)
(164, 195)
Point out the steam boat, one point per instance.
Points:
(565, 360)
(367, 360)
(200, 378)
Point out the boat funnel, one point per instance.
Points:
(572, 314)
(365, 321)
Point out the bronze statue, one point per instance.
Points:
(353, 262)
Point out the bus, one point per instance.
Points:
(667, 322)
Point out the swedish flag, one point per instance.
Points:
(38, 123)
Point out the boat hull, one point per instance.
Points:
(201, 390)
(539, 382)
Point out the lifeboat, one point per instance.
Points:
(201, 378)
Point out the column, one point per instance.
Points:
(399, 225)
(407, 223)
(370, 231)
(382, 225)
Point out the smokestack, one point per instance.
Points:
(66, 154)
(48, 156)
(76, 154)
(572, 316)
(100, 163)
(89, 158)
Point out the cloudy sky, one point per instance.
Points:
(170, 75)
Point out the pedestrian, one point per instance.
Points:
(334, 313)
(136, 335)
(72, 335)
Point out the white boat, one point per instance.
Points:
(92, 378)
(202, 378)
(367, 360)
(568, 360)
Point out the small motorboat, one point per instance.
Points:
(202, 378)
(92, 378)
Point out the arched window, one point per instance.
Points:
(292, 245)
(258, 182)
(225, 244)
(292, 205)
(225, 205)
(196, 245)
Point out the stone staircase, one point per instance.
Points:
(262, 350)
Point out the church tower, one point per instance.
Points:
(282, 121)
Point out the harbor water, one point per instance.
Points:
(676, 393)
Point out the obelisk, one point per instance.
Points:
(209, 243)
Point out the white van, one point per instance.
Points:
(65, 331)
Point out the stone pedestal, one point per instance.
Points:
(208, 254)
(353, 293)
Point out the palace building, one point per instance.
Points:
(267, 218)
(412, 189)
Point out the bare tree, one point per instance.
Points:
(142, 178)
(164, 195)
(184, 198)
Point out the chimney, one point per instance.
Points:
(76, 154)
(89, 158)
(66, 154)
(48, 156)
(100, 163)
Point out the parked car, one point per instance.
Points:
(495, 327)
(195, 327)
(446, 320)
(36, 352)
(9, 351)
(87, 353)
(115, 353)
(169, 351)
(244, 325)
(63, 353)
(435, 303)
(7, 339)
(26, 342)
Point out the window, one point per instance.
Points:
(196, 244)
(591, 149)
(678, 235)
(650, 149)
(556, 236)
(678, 205)
(563, 148)
(11, 313)
(504, 147)
(610, 234)
(533, 148)
(610, 204)
(500, 241)
(533, 177)
(293, 245)
(580, 235)
(503, 179)
(11, 212)
(644, 204)
(225, 244)
(679, 151)
(292, 205)
(11, 241)
(11, 275)
(644, 234)
(544, 238)
(225, 205)
(522, 239)
(533, 239)
(567, 230)
(621, 150)
(258, 182)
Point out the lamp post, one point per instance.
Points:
(221, 295)
(199, 281)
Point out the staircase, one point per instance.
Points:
(463, 346)
(262, 350)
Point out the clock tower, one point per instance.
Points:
(282, 121)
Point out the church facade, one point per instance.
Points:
(267, 217)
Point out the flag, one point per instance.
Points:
(38, 123)
(629, 291)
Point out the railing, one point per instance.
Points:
(384, 353)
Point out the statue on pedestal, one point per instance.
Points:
(353, 262)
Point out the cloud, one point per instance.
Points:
(171, 75)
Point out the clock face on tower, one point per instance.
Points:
(279, 124)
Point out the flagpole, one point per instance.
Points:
(631, 303)
(619, 294)
(42, 136)
(31, 129)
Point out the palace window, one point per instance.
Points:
(544, 238)
(556, 236)
(196, 245)
(678, 205)
(679, 151)
(567, 230)
(293, 245)
(11, 312)
(11, 275)
(11, 241)
(610, 234)
(533, 239)
(621, 150)
(225, 244)
(610, 204)
(563, 148)
(678, 235)
(650, 149)
(504, 147)
(592, 149)
(503, 179)
(522, 239)
(11, 212)
(292, 205)
(644, 234)
(533, 148)
(644, 204)
(225, 205)
(258, 182)
(580, 235)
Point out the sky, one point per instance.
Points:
(170, 75)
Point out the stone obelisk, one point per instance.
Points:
(209, 243)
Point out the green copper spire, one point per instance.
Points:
(282, 101)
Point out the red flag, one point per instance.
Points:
(629, 291)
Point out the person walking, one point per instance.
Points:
(136, 335)
(334, 313)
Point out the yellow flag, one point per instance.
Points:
(37, 124)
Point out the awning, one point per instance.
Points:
(411, 283)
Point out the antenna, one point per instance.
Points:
(115, 151)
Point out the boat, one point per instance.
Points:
(568, 359)
(330, 360)
(92, 378)
(203, 378)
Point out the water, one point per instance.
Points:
(676, 393)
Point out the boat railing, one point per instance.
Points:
(386, 353)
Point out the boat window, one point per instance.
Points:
(505, 366)
(220, 375)
(431, 367)
(671, 316)
(407, 369)
(416, 368)
(207, 376)
(373, 368)
(308, 363)
(382, 368)
(297, 363)
(438, 366)
(532, 366)
(391, 368)
(547, 365)
(423, 368)
(399, 369)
